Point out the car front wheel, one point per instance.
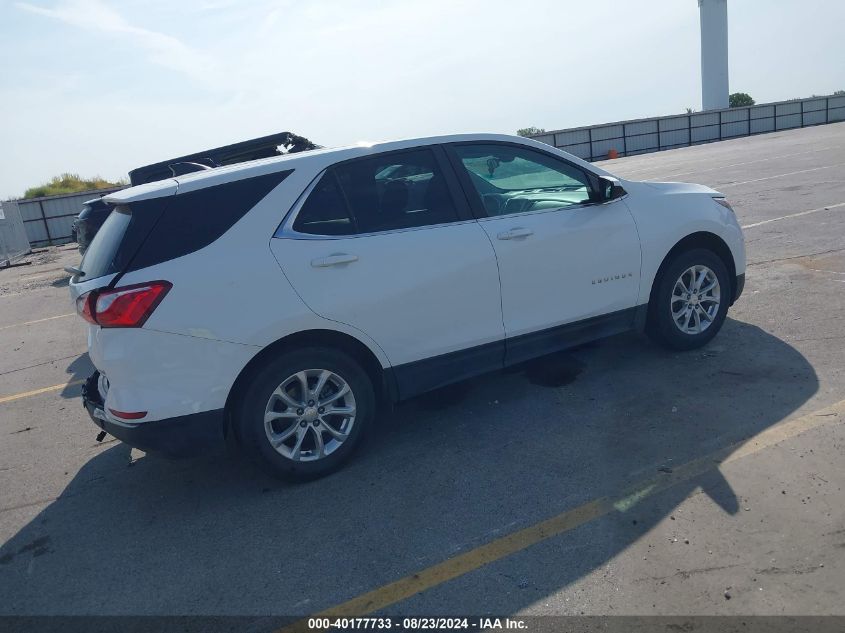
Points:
(305, 413)
(690, 301)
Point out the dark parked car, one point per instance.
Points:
(95, 212)
(89, 221)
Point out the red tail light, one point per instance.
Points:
(85, 306)
(129, 306)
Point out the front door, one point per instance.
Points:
(563, 257)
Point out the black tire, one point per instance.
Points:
(254, 400)
(661, 326)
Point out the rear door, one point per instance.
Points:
(387, 245)
(564, 258)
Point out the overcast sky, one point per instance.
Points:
(97, 87)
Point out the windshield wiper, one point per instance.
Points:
(559, 188)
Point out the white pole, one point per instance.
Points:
(714, 53)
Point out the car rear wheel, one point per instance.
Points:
(690, 301)
(306, 412)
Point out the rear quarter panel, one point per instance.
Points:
(233, 289)
(167, 375)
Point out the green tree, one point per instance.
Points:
(70, 183)
(530, 131)
(839, 93)
(740, 100)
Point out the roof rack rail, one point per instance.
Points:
(262, 147)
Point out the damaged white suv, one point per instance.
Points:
(285, 299)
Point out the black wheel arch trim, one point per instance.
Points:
(739, 286)
(711, 242)
(383, 378)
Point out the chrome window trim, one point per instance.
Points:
(555, 210)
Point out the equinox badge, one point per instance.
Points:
(603, 280)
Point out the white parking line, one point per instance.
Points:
(749, 162)
(794, 215)
(791, 173)
(821, 270)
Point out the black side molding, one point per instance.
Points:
(561, 337)
(430, 373)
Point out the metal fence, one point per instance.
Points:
(48, 220)
(640, 136)
(13, 241)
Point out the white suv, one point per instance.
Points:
(285, 299)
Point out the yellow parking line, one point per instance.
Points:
(35, 392)
(61, 316)
(452, 568)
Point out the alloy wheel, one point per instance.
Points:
(309, 415)
(695, 300)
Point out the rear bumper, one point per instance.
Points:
(168, 375)
(183, 436)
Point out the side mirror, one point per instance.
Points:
(610, 189)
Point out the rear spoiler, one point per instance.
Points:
(263, 147)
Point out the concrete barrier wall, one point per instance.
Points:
(48, 220)
(13, 240)
(640, 136)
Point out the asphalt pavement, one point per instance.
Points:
(707, 482)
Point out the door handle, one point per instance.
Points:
(333, 260)
(515, 234)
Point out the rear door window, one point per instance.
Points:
(397, 191)
(394, 191)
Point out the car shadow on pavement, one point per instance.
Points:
(214, 536)
(78, 370)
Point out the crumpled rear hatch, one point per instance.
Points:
(253, 149)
